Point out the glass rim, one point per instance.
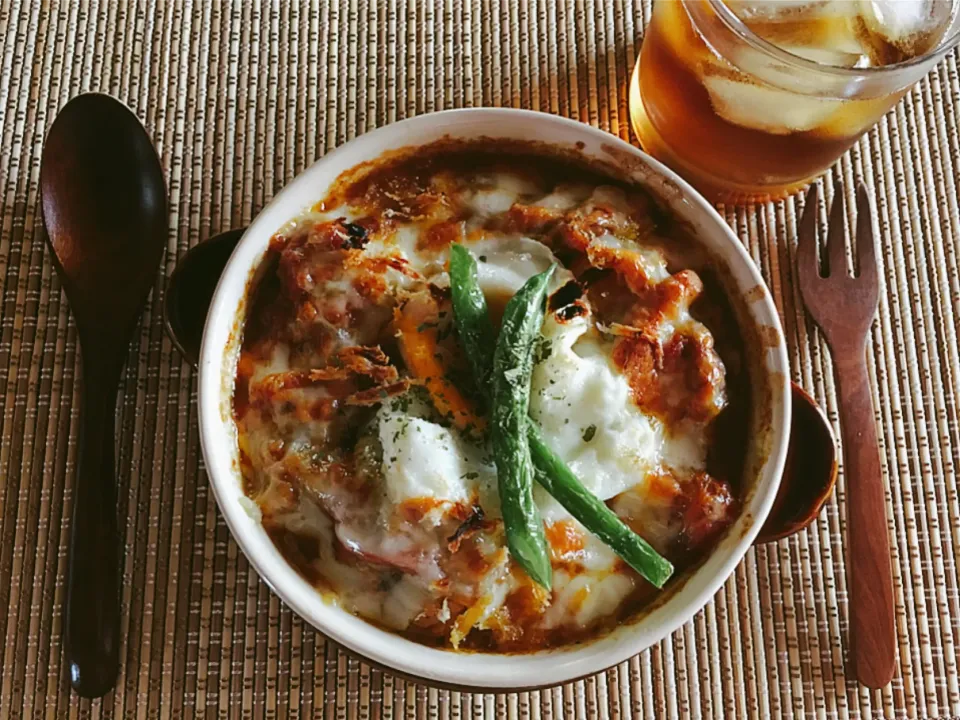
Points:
(734, 23)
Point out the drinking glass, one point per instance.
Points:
(743, 119)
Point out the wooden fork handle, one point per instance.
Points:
(870, 575)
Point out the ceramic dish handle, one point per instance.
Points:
(810, 472)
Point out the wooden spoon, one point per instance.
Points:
(808, 478)
(105, 210)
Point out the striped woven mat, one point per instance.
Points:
(239, 97)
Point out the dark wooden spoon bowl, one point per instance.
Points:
(105, 210)
(808, 478)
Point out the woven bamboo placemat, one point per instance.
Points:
(239, 98)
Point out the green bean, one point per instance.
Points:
(474, 329)
(510, 401)
(558, 480)
(471, 316)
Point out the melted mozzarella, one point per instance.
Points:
(583, 405)
(401, 242)
(497, 192)
(586, 597)
(612, 197)
(279, 362)
(404, 602)
(422, 459)
(508, 262)
(565, 197)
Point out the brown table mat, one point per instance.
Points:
(239, 98)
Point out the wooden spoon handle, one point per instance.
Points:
(93, 597)
(869, 569)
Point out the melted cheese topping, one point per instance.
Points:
(584, 407)
(509, 261)
(424, 460)
(428, 479)
(581, 401)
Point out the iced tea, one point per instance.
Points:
(753, 99)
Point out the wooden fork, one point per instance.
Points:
(843, 307)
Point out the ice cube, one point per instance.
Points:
(853, 118)
(766, 108)
(882, 32)
(897, 30)
(826, 56)
(773, 10)
(823, 31)
(901, 19)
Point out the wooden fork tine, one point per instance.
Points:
(865, 243)
(836, 238)
(808, 269)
